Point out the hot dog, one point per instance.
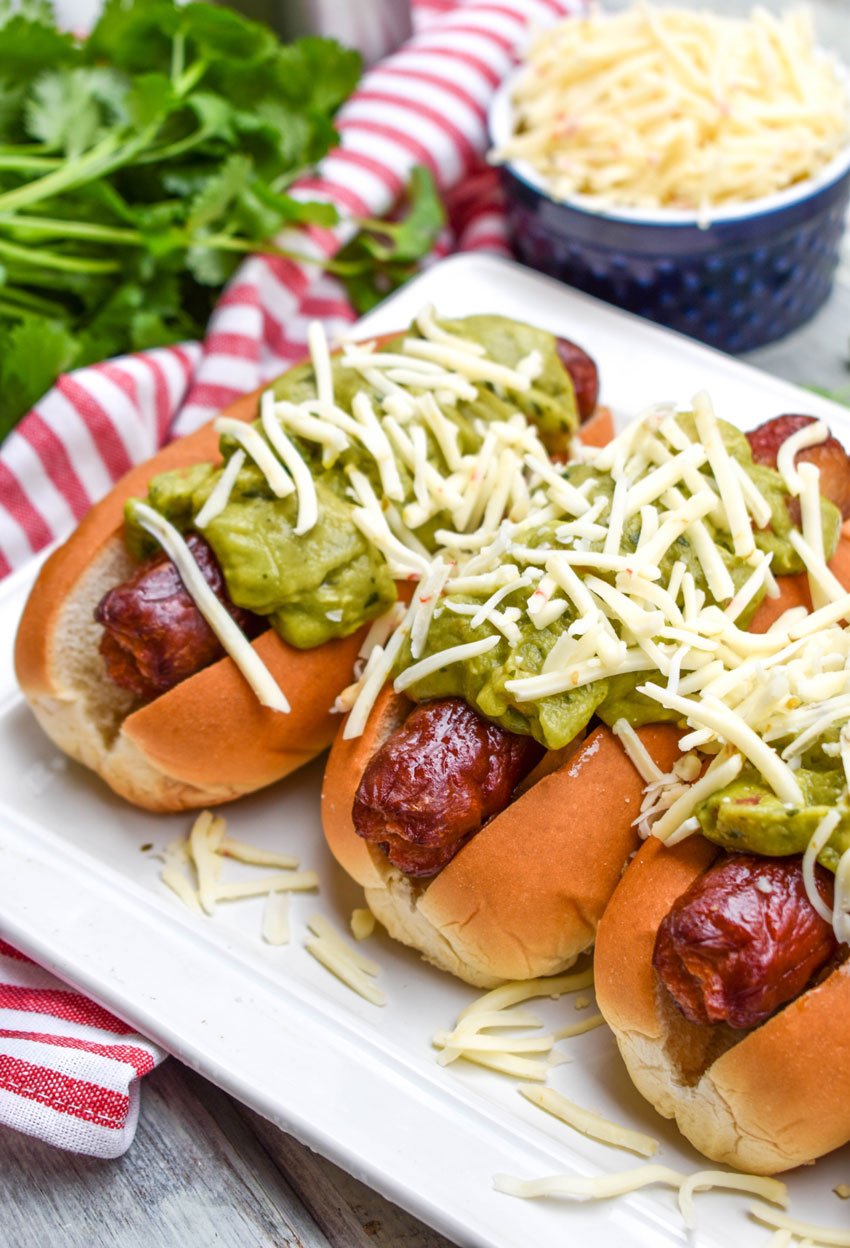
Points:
(435, 781)
(765, 1097)
(728, 1002)
(297, 555)
(521, 895)
(743, 940)
(445, 852)
(188, 746)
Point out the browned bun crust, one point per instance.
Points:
(524, 896)
(205, 741)
(598, 429)
(763, 1100)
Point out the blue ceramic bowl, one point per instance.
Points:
(754, 274)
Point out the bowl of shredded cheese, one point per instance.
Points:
(692, 168)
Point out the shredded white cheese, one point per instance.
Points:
(674, 108)
(597, 1187)
(604, 1186)
(712, 714)
(221, 491)
(320, 357)
(308, 506)
(580, 1029)
(590, 1123)
(646, 767)
(362, 923)
(206, 849)
(253, 444)
(205, 839)
(261, 886)
(773, 1190)
(674, 824)
(275, 930)
(426, 598)
(834, 1237)
(817, 842)
(350, 965)
(434, 662)
(174, 876)
(809, 435)
(841, 905)
(254, 855)
(522, 1057)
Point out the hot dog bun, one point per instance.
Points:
(757, 1100)
(763, 1100)
(524, 896)
(207, 740)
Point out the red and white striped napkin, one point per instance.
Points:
(68, 1069)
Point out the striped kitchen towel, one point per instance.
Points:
(68, 1069)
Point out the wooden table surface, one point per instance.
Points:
(204, 1170)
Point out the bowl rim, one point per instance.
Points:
(499, 129)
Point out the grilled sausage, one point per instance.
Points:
(436, 781)
(830, 457)
(583, 374)
(154, 635)
(743, 940)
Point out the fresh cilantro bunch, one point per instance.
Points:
(138, 166)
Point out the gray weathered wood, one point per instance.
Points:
(349, 1213)
(202, 1171)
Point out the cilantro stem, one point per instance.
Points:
(178, 56)
(23, 301)
(21, 163)
(55, 260)
(176, 148)
(375, 226)
(111, 153)
(71, 173)
(191, 77)
(23, 149)
(225, 242)
(134, 238)
(71, 229)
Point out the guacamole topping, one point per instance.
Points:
(326, 582)
(485, 680)
(624, 591)
(747, 814)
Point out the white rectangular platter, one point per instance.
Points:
(357, 1082)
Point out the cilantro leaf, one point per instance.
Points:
(134, 35)
(29, 44)
(69, 109)
(211, 267)
(408, 239)
(218, 193)
(317, 73)
(152, 97)
(385, 253)
(33, 352)
(143, 163)
(220, 33)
